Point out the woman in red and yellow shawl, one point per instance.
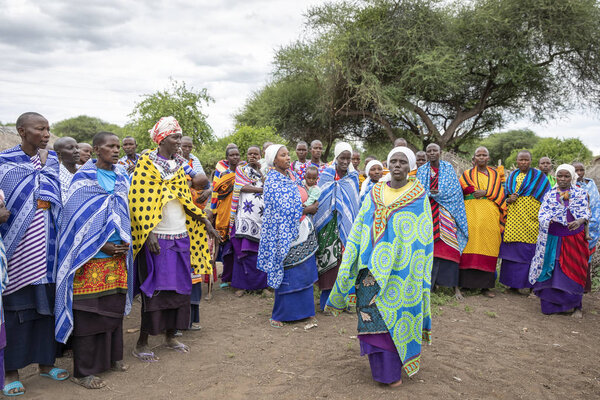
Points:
(221, 206)
(486, 214)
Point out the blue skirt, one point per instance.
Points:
(294, 299)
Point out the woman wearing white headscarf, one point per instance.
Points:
(338, 206)
(368, 184)
(559, 268)
(388, 260)
(288, 241)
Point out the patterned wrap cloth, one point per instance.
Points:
(90, 217)
(395, 243)
(449, 196)
(247, 208)
(148, 194)
(165, 126)
(283, 210)
(554, 210)
(594, 201)
(30, 187)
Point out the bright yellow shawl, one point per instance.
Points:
(147, 196)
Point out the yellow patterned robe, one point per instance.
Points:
(147, 196)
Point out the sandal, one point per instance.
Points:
(144, 356)
(54, 372)
(276, 324)
(90, 382)
(195, 327)
(12, 386)
(179, 347)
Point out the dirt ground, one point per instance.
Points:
(502, 348)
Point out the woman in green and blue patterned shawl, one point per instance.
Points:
(388, 258)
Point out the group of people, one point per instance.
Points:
(82, 236)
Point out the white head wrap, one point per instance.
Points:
(367, 181)
(570, 169)
(339, 149)
(370, 165)
(271, 152)
(412, 159)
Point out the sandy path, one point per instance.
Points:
(501, 348)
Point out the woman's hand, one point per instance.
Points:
(478, 194)
(204, 196)
(113, 249)
(312, 209)
(212, 232)
(511, 198)
(152, 243)
(573, 225)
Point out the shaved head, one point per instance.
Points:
(482, 148)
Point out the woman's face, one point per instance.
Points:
(233, 157)
(282, 159)
(375, 173)
(171, 144)
(253, 155)
(563, 179)
(524, 161)
(399, 167)
(343, 161)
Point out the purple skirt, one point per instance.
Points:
(227, 256)
(386, 366)
(168, 270)
(559, 293)
(516, 259)
(245, 275)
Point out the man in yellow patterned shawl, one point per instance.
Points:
(169, 238)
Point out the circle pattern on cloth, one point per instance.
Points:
(403, 332)
(383, 257)
(404, 226)
(418, 263)
(424, 229)
(392, 294)
(402, 254)
(413, 291)
(417, 328)
(365, 238)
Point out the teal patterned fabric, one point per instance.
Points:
(400, 260)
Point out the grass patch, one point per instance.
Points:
(491, 314)
(468, 309)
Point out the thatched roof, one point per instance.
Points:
(10, 138)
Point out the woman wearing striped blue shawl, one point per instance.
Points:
(4, 214)
(338, 206)
(94, 283)
(29, 179)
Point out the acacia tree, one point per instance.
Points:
(83, 128)
(443, 72)
(178, 101)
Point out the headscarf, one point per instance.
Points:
(339, 149)
(271, 153)
(165, 126)
(412, 159)
(570, 169)
(367, 183)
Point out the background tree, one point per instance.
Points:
(83, 128)
(431, 71)
(560, 151)
(243, 136)
(178, 101)
(502, 144)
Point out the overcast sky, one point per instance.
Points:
(66, 58)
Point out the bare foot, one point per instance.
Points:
(276, 324)
(396, 384)
(488, 293)
(458, 296)
(119, 366)
(208, 297)
(239, 293)
(532, 296)
(90, 382)
(577, 314)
